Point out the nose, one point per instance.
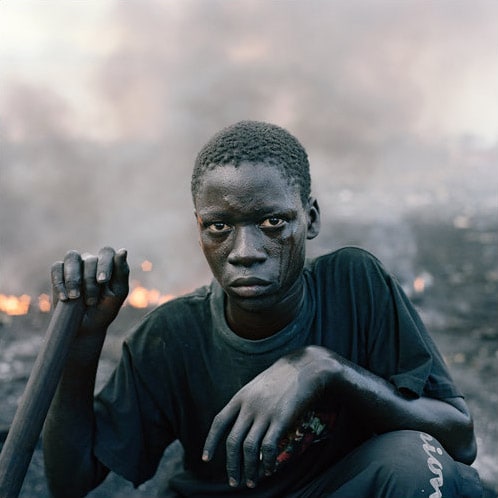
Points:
(247, 247)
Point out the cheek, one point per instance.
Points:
(291, 256)
(214, 253)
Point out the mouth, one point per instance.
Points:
(249, 286)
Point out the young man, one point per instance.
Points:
(283, 377)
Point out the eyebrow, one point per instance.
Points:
(213, 214)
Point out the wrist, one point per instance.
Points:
(86, 347)
(328, 367)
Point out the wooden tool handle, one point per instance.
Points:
(30, 415)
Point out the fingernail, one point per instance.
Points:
(232, 482)
(101, 277)
(205, 456)
(74, 293)
(250, 484)
(62, 296)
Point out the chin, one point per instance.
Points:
(256, 304)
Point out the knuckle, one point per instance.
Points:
(216, 425)
(72, 255)
(73, 282)
(232, 443)
(92, 291)
(89, 258)
(89, 275)
(58, 286)
(90, 282)
(268, 449)
(56, 272)
(250, 447)
(107, 250)
(56, 266)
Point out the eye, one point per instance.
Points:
(272, 222)
(218, 227)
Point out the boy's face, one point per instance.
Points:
(253, 228)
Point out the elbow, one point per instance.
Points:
(468, 452)
(469, 457)
(466, 448)
(462, 445)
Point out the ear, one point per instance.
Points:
(313, 214)
(198, 223)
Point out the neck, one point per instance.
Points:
(261, 324)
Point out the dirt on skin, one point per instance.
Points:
(456, 265)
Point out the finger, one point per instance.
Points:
(252, 452)
(119, 280)
(105, 264)
(57, 278)
(234, 449)
(219, 427)
(72, 274)
(90, 287)
(269, 448)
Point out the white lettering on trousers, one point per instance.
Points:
(435, 466)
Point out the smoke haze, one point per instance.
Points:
(103, 111)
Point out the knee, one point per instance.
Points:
(405, 448)
(411, 460)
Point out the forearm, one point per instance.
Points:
(68, 434)
(385, 409)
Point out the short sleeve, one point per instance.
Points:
(404, 353)
(131, 431)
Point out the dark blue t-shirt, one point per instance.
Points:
(182, 364)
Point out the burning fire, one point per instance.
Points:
(44, 303)
(139, 297)
(15, 305)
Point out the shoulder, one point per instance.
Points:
(350, 271)
(346, 260)
(171, 320)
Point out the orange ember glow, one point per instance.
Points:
(140, 297)
(146, 265)
(44, 303)
(419, 285)
(15, 305)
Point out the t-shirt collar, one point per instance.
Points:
(260, 346)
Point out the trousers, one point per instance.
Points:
(393, 465)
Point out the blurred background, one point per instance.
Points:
(104, 105)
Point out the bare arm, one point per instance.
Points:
(68, 435)
(385, 409)
(263, 410)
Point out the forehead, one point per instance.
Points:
(249, 185)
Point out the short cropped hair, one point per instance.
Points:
(255, 142)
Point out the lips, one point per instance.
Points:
(249, 286)
(249, 282)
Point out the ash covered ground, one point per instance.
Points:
(456, 260)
